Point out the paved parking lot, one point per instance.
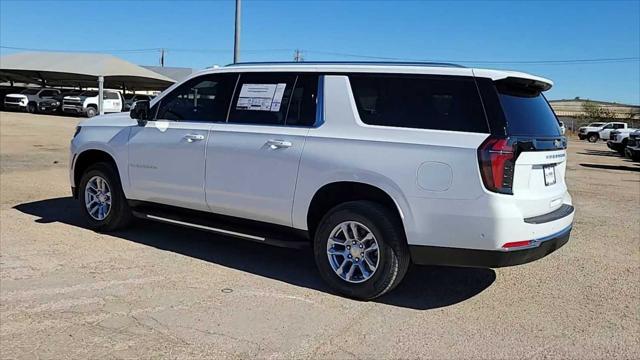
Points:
(160, 291)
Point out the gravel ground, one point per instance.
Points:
(160, 291)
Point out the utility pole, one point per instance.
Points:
(236, 41)
(297, 56)
(162, 57)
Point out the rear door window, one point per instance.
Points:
(262, 98)
(422, 102)
(526, 111)
(110, 95)
(302, 109)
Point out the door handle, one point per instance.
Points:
(276, 144)
(194, 137)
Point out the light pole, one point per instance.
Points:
(236, 42)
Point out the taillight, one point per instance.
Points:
(496, 158)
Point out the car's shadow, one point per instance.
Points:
(423, 287)
(612, 167)
(607, 153)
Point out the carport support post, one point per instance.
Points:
(100, 94)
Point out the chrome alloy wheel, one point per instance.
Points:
(97, 198)
(353, 252)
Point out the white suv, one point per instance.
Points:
(374, 165)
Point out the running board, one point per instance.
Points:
(275, 235)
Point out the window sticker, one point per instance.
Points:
(261, 97)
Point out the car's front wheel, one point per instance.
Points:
(102, 199)
(360, 249)
(91, 112)
(593, 138)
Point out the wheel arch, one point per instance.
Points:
(337, 192)
(88, 157)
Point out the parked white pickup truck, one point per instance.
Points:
(599, 130)
(29, 99)
(86, 103)
(618, 139)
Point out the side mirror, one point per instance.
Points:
(140, 111)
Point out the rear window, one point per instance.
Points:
(527, 112)
(421, 102)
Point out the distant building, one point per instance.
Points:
(175, 73)
(574, 109)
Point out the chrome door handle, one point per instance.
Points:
(194, 137)
(276, 144)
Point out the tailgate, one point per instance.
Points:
(539, 181)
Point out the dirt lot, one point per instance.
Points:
(159, 291)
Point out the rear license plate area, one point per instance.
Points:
(549, 175)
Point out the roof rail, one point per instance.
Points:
(391, 63)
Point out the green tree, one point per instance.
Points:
(594, 111)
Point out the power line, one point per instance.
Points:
(84, 51)
(351, 55)
(149, 50)
(530, 62)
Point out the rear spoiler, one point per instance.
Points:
(516, 78)
(529, 84)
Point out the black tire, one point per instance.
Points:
(91, 112)
(593, 137)
(623, 147)
(393, 251)
(119, 215)
(32, 108)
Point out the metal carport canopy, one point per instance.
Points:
(80, 69)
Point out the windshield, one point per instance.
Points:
(89, 93)
(527, 112)
(30, 91)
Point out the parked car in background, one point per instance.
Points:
(606, 130)
(633, 146)
(54, 104)
(297, 154)
(591, 129)
(130, 99)
(29, 99)
(86, 103)
(618, 139)
(563, 129)
(4, 90)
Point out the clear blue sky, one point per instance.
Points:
(200, 33)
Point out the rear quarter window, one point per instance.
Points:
(527, 112)
(421, 102)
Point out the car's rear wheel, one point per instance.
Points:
(102, 199)
(360, 249)
(592, 138)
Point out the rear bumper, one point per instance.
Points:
(435, 255)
